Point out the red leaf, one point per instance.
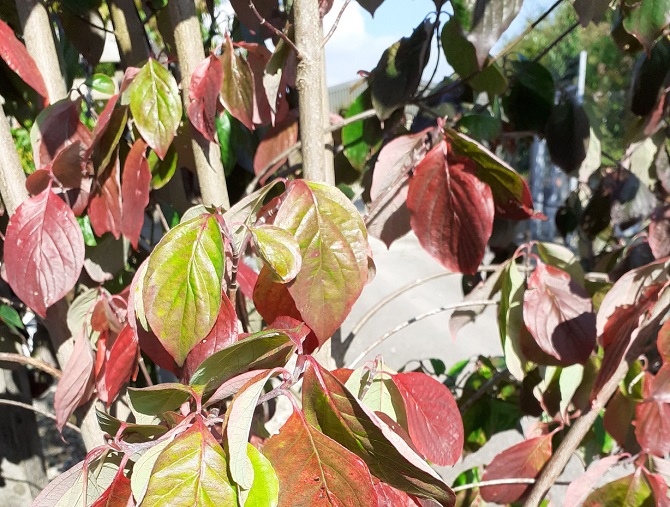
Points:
(135, 192)
(314, 470)
(18, 59)
(223, 334)
(44, 251)
(104, 118)
(663, 342)
(118, 494)
(246, 279)
(524, 460)
(203, 93)
(55, 128)
(580, 487)
(121, 364)
(296, 330)
(433, 419)
(69, 166)
(388, 496)
(276, 140)
(237, 91)
(104, 209)
(390, 218)
(76, 385)
(559, 314)
(38, 181)
(452, 211)
(258, 57)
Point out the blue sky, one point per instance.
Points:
(360, 40)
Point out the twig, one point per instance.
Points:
(373, 311)
(556, 42)
(400, 327)
(37, 411)
(35, 363)
(569, 445)
(337, 22)
(145, 372)
(364, 115)
(494, 482)
(161, 217)
(272, 28)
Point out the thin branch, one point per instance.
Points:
(37, 411)
(400, 327)
(337, 22)
(364, 115)
(373, 311)
(272, 28)
(161, 217)
(575, 435)
(493, 482)
(551, 46)
(31, 361)
(145, 372)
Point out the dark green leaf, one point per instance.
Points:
(136, 432)
(155, 400)
(225, 131)
(480, 126)
(162, 171)
(531, 97)
(568, 133)
(648, 78)
(646, 19)
(11, 317)
(102, 83)
(361, 138)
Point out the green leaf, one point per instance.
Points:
(155, 400)
(568, 134)
(332, 409)
(131, 432)
(378, 393)
(562, 258)
(315, 470)
(87, 231)
(264, 491)
(182, 286)
(360, 138)
(481, 126)
(461, 55)
(279, 250)
(162, 171)
(156, 106)
(646, 19)
(397, 75)
(510, 319)
(11, 317)
(225, 132)
(531, 96)
(101, 83)
(334, 247)
(631, 491)
(266, 349)
(241, 413)
(190, 472)
(139, 480)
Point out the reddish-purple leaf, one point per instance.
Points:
(659, 487)
(237, 91)
(266, 9)
(44, 251)
(121, 364)
(524, 460)
(582, 485)
(55, 128)
(76, 385)
(663, 342)
(660, 384)
(246, 279)
(118, 494)
(433, 419)
(652, 422)
(104, 210)
(388, 496)
(38, 181)
(18, 59)
(69, 165)
(389, 216)
(452, 211)
(659, 232)
(559, 314)
(314, 470)
(135, 192)
(104, 118)
(203, 93)
(258, 57)
(296, 330)
(276, 140)
(223, 334)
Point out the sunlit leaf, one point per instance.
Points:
(135, 192)
(279, 250)
(630, 491)
(182, 287)
(314, 470)
(264, 491)
(203, 93)
(76, 385)
(582, 485)
(452, 211)
(44, 251)
(18, 59)
(118, 494)
(237, 90)
(155, 105)
(121, 364)
(191, 471)
(489, 21)
(104, 209)
(102, 83)
(276, 141)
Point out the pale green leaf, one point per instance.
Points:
(279, 250)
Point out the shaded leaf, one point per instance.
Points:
(434, 421)
(155, 400)
(370, 5)
(182, 287)
(263, 350)
(237, 90)
(135, 192)
(44, 251)
(279, 250)
(162, 171)
(388, 496)
(69, 166)
(652, 421)
(334, 248)
(559, 314)
(484, 290)
(276, 141)
(646, 20)
(104, 209)
(649, 75)
(329, 407)
(222, 335)
(17, 58)
(107, 134)
(76, 385)
(155, 105)
(531, 96)
(580, 487)
(659, 232)
(452, 211)
(258, 57)
(191, 471)
(590, 11)
(524, 460)
(203, 93)
(397, 75)
(314, 470)
(85, 29)
(630, 491)
(111, 425)
(567, 134)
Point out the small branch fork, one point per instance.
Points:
(272, 28)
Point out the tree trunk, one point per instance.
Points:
(129, 31)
